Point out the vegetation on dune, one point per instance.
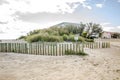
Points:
(89, 40)
(71, 52)
(59, 33)
(44, 37)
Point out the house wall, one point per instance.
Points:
(106, 35)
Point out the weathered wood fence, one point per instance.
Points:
(105, 40)
(48, 48)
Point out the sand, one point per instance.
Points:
(100, 64)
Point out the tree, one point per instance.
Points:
(116, 35)
(93, 28)
(82, 28)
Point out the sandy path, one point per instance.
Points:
(101, 64)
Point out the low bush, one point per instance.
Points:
(71, 52)
(71, 38)
(84, 34)
(81, 39)
(65, 37)
(89, 40)
(44, 37)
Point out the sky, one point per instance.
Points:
(18, 17)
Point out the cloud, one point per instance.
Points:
(52, 6)
(105, 23)
(43, 18)
(15, 29)
(3, 22)
(1, 32)
(3, 2)
(5, 13)
(118, 0)
(119, 27)
(38, 6)
(115, 29)
(107, 27)
(19, 16)
(87, 6)
(99, 5)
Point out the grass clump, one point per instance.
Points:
(71, 52)
(89, 40)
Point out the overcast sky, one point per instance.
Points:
(18, 17)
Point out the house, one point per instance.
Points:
(106, 35)
(109, 35)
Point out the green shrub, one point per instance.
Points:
(65, 37)
(44, 37)
(89, 40)
(54, 39)
(22, 37)
(71, 37)
(34, 38)
(81, 39)
(84, 34)
(71, 52)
